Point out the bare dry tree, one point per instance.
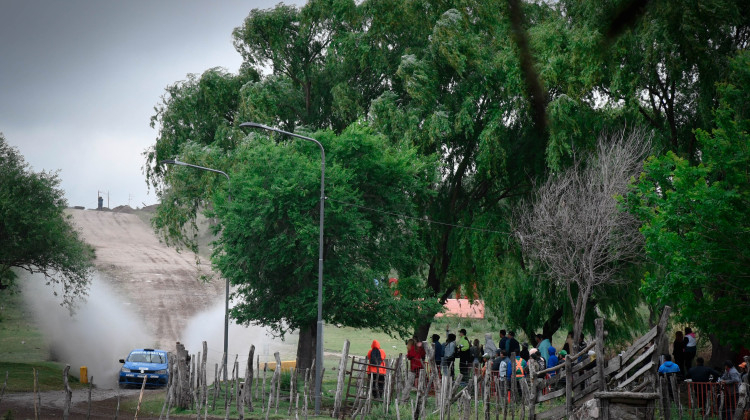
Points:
(574, 232)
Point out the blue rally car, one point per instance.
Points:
(150, 363)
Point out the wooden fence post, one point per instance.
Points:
(247, 388)
(140, 397)
(340, 380)
(184, 395)
(68, 392)
(568, 386)
(600, 359)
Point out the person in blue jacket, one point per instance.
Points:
(553, 360)
(669, 366)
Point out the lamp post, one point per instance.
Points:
(226, 293)
(319, 336)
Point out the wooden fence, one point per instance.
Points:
(626, 385)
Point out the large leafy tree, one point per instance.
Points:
(269, 229)
(269, 244)
(666, 65)
(696, 220)
(35, 233)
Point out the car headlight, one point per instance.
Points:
(125, 370)
(162, 372)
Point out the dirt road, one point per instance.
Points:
(162, 284)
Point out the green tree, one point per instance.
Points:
(35, 233)
(199, 111)
(696, 221)
(268, 246)
(666, 66)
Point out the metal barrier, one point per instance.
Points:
(712, 398)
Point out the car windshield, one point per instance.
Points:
(146, 357)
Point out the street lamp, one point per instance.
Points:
(319, 337)
(226, 294)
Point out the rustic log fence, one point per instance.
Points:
(582, 387)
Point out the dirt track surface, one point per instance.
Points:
(51, 404)
(162, 284)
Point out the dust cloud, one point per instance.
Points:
(102, 330)
(106, 327)
(209, 327)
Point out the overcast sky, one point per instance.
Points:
(79, 81)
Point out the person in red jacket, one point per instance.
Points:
(376, 368)
(414, 355)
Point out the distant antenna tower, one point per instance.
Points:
(99, 194)
(130, 197)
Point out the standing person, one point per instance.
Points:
(464, 354)
(525, 351)
(701, 374)
(414, 357)
(489, 344)
(376, 368)
(502, 345)
(543, 344)
(553, 360)
(536, 357)
(476, 355)
(438, 349)
(691, 347)
(568, 346)
(731, 381)
(513, 345)
(500, 364)
(449, 355)
(678, 352)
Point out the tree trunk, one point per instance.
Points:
(720, 353)
(551, 325)
(306, 346)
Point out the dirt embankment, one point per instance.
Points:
(161, 284)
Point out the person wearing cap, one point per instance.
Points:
(463, 347)
(743, 371)
(438, 349)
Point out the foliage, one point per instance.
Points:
(193, 113)
(574, 234)
(35, 233)
(269, 244)
(696, 220)
(667, 66)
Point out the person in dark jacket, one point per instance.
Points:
(512, 344)
(503, 341)
(702, 374)
(525, 351)
(678, 352)
(438, 348)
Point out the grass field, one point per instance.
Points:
(23, 349)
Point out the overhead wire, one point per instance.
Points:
(419, 219)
